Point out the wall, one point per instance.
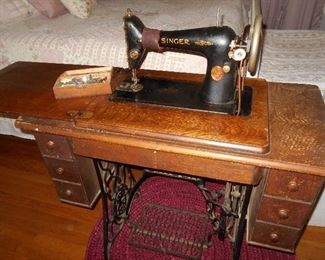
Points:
(322, 25)
(291, 14)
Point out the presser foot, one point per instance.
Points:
(133, 87)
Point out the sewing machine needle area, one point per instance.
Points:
(176, 94)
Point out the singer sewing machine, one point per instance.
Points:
(228, 57)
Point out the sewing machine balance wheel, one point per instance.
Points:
(255, 45)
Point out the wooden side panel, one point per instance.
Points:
(62, 169)
(182, 163)
(54, 146)
(281, 209)
(87, 172)
(71, 192)
(284, 212)
(273, 236)
(74, 176)
(292, 185)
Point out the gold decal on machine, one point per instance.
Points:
(175, 41)
(217, 73)
(203, 43)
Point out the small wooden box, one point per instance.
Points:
(83, 82)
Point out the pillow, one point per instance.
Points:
(49, 8)
(11, 10)
(80, 8)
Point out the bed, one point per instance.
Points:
(288, 56)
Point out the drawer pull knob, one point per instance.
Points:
(293, 186)
(274, 237)
(60, 170)
(283, 213)
(68, 192)
(50, 144)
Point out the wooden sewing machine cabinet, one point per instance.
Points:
(279, 148)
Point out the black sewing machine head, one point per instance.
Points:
(226, 53)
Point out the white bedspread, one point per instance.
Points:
(294, 56)
(100, 39)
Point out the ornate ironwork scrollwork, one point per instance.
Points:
(228, 221)
(117, 185)
(226, 208)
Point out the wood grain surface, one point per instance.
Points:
(247, 133)
(33, 91)
(26, 89)
(297, 120)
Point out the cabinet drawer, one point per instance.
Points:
(283, 212)
(71, 192)
(293, 185)
(54, 146)
(274, 236)
(63, 170)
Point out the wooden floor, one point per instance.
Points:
(35, 225)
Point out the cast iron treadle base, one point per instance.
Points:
(179, 94)
(118, 185)
(171, 231)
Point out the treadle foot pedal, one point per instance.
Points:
(171, 231)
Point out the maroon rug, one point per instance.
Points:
(179, 232)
